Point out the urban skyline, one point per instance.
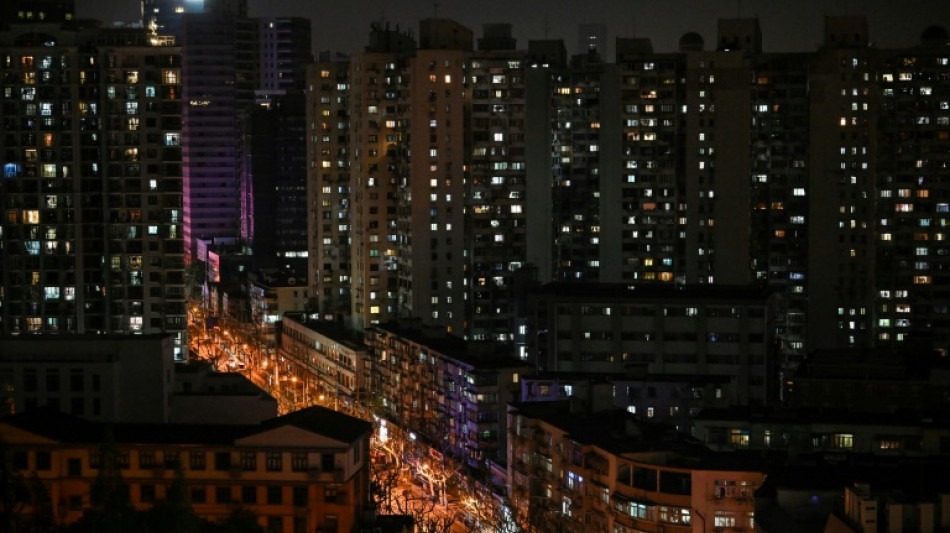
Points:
(340, 26)
(569, 287)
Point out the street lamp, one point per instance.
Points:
(293, 386)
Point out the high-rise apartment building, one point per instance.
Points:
(284, 54)
(708, 165)
(912, 257)
(329, 203)
(496, 189)
(274, 168)
(274, 183)
(42, 11)
(878, 190)
(651, 209)
(92, 228)
(842, 167)
(378, 104)
(430, 220)
(163, 18)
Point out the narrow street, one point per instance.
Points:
(417, 485)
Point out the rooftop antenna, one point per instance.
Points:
(546, 27)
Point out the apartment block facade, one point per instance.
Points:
(329, 200)
(712, 164)
(92, 234)
(329, 367)
(454, 401)
(604, 472)
(686, 331)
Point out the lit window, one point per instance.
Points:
(843, 440)
(740, 438)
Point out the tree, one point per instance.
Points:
(42, 504)
(382, 487)
(175, 514)
(25, 505)
(111, 509)
(425, 513)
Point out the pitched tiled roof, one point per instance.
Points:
(63, 427)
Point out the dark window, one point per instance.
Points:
(331, 523)
(222, 494)
(249, 461)
(76, 381)
(43, 461)
(222, 460)
(330, 493)
(275, 524)
(52, 380)
(326, 462)
(197, 460)
(96, 383)
(172, 459)
(274, 462)
(29, 380)
(249, 494)
(147, 493)
(74, 467)
(644, 478)
(75, 502)
(20, 460)
(300, 496)
(52, 403)
(298, 461)
(275, 495)
(199, 495)
(300, 524)
(146, 459)
(77, 406)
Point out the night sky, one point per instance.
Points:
(343, 25)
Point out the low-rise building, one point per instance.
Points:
(306, 471)
(607, 471)
(432, 386)
(107, 378)
(271, 294)
(871, 495)
(202, 396)
(128, 378)
(709, 331)
(868, 380)
(322, 360)
(825, 435)
(667, 399)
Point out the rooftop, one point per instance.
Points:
(63, 427)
